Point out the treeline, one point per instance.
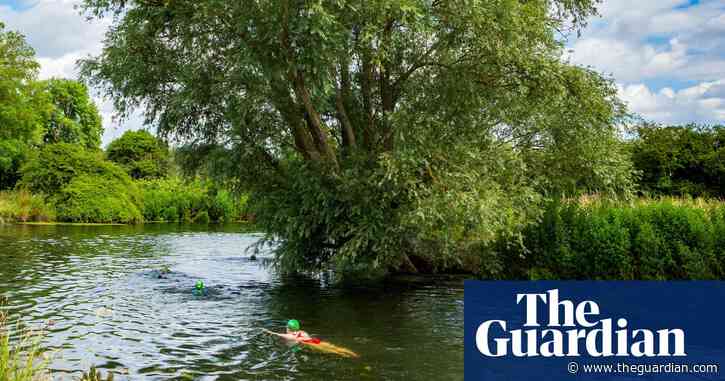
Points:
(674, 227)
(128, 183)
(52, 167)
(684, 160)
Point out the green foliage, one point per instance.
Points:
(95, 375)
(201, 218)
(23, 105)
(681, 160)
(395, 135)
(56, 165)
(83, 186)
(94, 198)
(174, 200)
(13, 154)
(142, 155)
(74, 117)
(23, 206)
(21, 359)
(406, 215)
(654, 240)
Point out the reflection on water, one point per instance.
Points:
(106, 306)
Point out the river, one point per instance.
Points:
(96, 291)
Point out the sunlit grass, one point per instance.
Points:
(22, 206)
(598, 201)
(21, 359)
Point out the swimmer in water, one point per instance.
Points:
(199, 289)
(299, 337)
(294, 333)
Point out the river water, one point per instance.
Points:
(96, 291)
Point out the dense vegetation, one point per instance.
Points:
(403, 136)
(395, 135)
(681, 160)
(601, 239)
(53, 169)
(141, 154)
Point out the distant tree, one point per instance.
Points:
(23, 105)
(681, 160)
(139, 152)
(74, 117)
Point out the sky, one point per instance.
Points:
(667, 57)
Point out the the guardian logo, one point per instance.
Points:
(573, 330)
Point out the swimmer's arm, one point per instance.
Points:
(282, 335)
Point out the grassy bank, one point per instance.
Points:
(163, 200)
(22, 206)
(595, 238)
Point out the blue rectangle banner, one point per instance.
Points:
(594, 330)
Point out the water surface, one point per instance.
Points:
(95, 289)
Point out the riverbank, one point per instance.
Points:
(161, 200)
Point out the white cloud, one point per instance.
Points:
(702, 103)
(652, 49)
(627, 61)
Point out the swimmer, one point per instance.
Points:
(295, 335)
(199, 289)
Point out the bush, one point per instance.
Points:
(649, 240)
(56, 165)
(174, 200)
(13, 153)
(98, 199)
(202, 217)
(399, 215)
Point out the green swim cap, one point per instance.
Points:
(199, 285)
(293, 325)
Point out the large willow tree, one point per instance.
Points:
(374, 134)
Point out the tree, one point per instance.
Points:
(140, 153)
(681, 160)
(23, 105)
(74, 117)
(377, 134)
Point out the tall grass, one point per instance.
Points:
(21, 359)
(598, 238)
(22, 206)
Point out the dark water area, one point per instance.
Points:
(99, 292)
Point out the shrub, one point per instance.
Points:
(172, 200)
(202, 217)
(656, 240)
(57, 165)
(681, 160)
(98, 199)
(13, 153)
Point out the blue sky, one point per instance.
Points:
(667, 57)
